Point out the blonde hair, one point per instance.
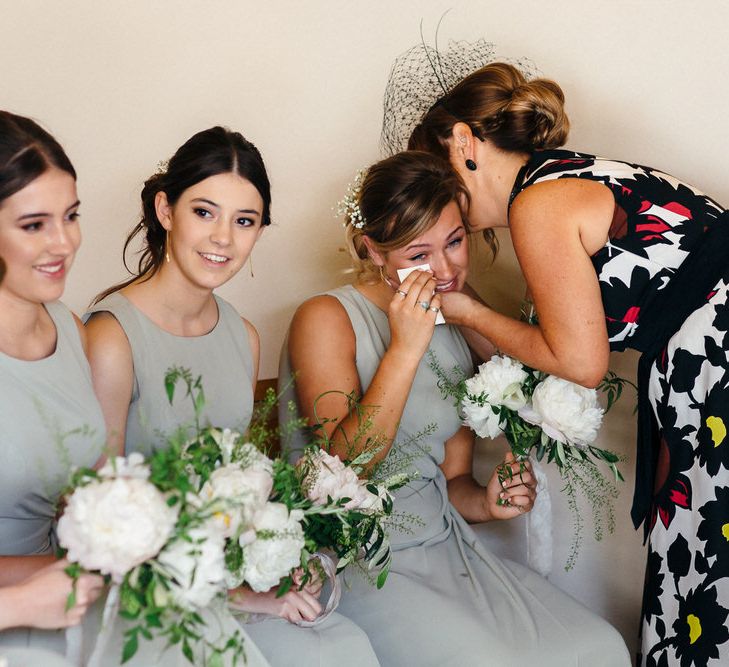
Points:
(401, 198)
(501, 105)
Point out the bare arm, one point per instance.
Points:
(551, 226)
(13, 569)
(476, 503)
(112, 372)
(254, 342)
(482, 349)
(322, 350)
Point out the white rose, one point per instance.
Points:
(114, 525)
(327, 477)
(481, 419)
(241, 494)
(131, 466)
(500, 379)
(197, 568)
(567, 411)
(276, 549)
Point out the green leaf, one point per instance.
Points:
(382, 577)
(130, 647)
(71, 599)
(187, 651)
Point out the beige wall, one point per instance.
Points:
(122, 84)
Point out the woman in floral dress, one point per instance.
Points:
(616, 256)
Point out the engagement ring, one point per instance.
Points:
(425, 305)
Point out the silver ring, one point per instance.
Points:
(425, 305)
(435, 309)
(401, 293)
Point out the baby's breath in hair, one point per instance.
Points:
(349, 206)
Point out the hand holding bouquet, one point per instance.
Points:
(543, 415)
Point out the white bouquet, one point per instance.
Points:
(542, 415)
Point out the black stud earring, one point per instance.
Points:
(471, 165)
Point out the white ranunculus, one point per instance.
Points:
(241, 493)
(500, 379)
(276, 549)
(131, 466)
(115, 524)
(197, 567)
(567, 411)
(327, 477)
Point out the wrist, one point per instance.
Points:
(403, 356)
(12, 608)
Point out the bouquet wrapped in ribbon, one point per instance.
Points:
(550, 419)
(212, 512)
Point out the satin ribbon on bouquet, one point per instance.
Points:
(539, 525)
(75, 639)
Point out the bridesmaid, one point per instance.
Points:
(447, 601)
(201, 217)
(50, 419)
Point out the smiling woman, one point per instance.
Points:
(50, 419)
(201, 217)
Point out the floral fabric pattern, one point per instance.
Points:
(658, 221)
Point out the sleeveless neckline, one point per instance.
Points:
(48, 358)
(150, 321)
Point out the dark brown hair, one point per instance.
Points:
(26, 151)
(214, 151)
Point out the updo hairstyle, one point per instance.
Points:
(401, 198)
(214, 151)
(499, 104)
(26, 152)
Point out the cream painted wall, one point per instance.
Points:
(123, 84)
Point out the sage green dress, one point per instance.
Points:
(50, 421)
(448, 600)
(223, 359)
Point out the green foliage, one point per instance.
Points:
(577, 464)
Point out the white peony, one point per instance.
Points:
(481, 419)
(500, 380)
(327, 477)
(197, 567)
(565, 411)
(241, 493)
(131, 466)
(114, 525)
(277, 548)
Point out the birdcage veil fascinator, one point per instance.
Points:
(424, 75)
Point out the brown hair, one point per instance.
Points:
(499, 104)
(216, 150)
(401, 198)
(26, 152)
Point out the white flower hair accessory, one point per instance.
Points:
(349, 206)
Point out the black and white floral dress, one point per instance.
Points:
(658, 223)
